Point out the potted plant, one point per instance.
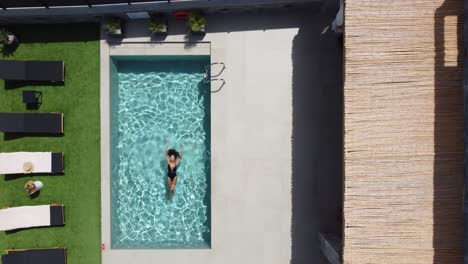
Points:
(7, 37)
(158, 25)
(196, 23)
(113, 26)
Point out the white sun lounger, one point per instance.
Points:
(31, 216)
(31, 162)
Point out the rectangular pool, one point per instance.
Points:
(156, 100)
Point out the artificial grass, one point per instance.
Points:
(78, 98)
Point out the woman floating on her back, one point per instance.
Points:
(173, 157)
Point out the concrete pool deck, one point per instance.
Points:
(251, 132)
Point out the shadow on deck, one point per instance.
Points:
(317, 180)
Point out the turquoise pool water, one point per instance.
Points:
(154, 100)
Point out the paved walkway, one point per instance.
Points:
(251, 131)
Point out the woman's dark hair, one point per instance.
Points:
(174, 152)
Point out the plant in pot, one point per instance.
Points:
(158, 25)
(6, 37)
(196, 23)
(113, 26)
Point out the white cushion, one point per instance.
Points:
(12, 163)
(24, 217)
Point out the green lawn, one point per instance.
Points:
(79, 189)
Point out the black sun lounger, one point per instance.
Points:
(35, 256)
(57, 162)
(12, 70)
(31, 123)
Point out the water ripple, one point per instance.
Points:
(151, 108)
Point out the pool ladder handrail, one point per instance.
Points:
(208, 78)
(208, 69)
(223, 82)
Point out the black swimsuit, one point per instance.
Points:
(171, 173)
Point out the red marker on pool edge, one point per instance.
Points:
(103, 246)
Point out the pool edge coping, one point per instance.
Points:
(130, 49)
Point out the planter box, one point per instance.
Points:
(162, 32)
(200, 32)
(119, 33)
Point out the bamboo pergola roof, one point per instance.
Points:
(403, 112)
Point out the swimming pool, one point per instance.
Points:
(155, 100)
